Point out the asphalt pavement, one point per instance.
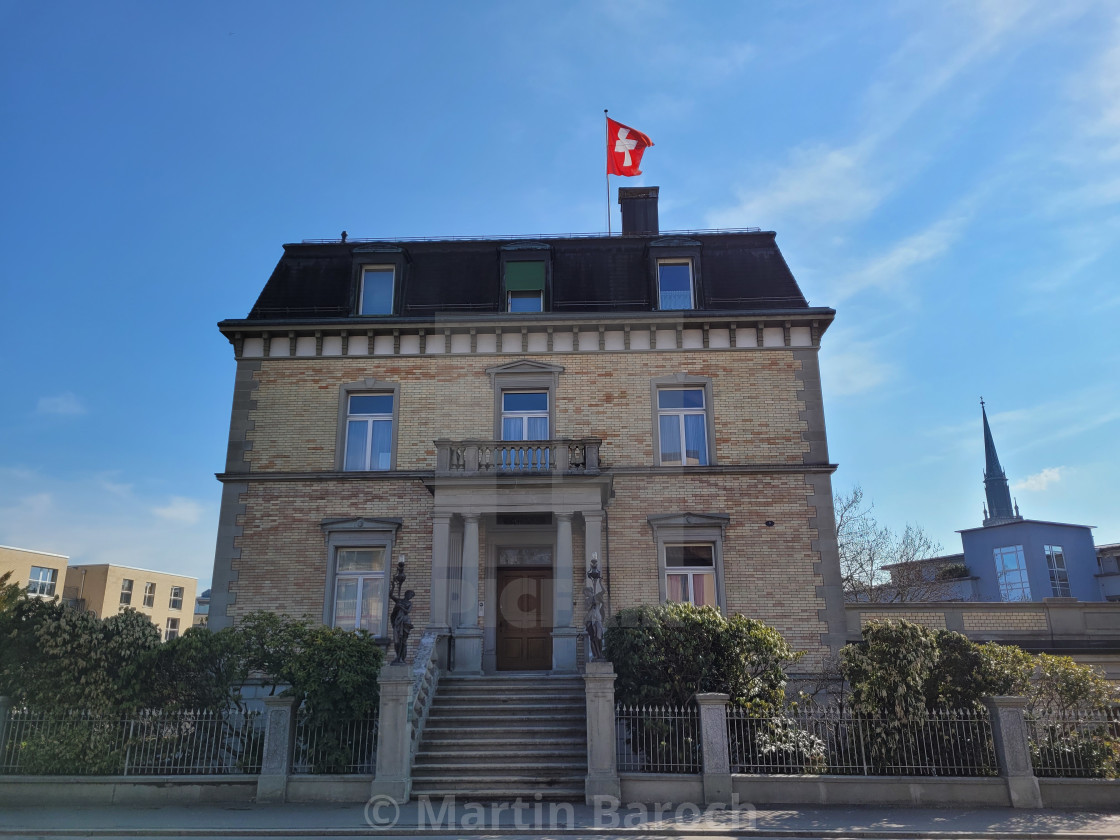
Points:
(538, 819)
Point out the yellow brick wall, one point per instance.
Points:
(927, 618)
(603, 395)
(1005, 620)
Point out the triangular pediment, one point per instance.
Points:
(360, 523)
(689, 520)
(523, 366)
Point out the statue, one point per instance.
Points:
(595, 598)
(401, 616)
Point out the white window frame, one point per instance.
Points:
(171, 629)
(1059, 571)
(674, 529)
(668, 261)
(149, 594)
(1014, 583)
(689, 572)
(359, 533)
(42, 585)
(682, 382)
(391, 270)
(175, 601)
(364, 388)
(525, 416)
(524, 376)
(127, 585)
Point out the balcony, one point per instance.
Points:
(564, 456)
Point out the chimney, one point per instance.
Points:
(639, 209)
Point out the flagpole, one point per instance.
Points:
(608, 182)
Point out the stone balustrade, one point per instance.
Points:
(562, 456)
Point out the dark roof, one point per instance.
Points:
(742, 271)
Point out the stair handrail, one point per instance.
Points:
(425, 673)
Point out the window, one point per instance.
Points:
(682, 426)
(172, 630)
(369, 432)
(1011, 571)
(690, 557)
(42, 581)
(1056, 563)
(176, 600)
(149, 594)
(126, 592)
(524, 285)
(690, 574)
(524, 302)
(357, 587)
(376, 294)
(525, 415)
(674, 284)
(359, 592)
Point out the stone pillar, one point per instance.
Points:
(714, 743)
(279, 742)
(438, 620)
(468, 635)
(1013, 750)
(565, 637)
(592, 547)
(602, 747)
(393, 777)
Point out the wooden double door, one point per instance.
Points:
(524, 637)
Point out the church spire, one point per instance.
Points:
(999, 508)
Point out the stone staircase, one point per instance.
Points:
(500, 737)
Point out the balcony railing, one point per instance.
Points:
(564, 456)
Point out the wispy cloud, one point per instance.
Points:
(180, 509)
(93, 520)
(854, 366)
(1040, 480)
(66, 404)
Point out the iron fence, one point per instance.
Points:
(147, 743)
(339, 747)
(658, 739)
(1082, 744)
(835, 741)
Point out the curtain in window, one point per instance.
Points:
(704, 590)
(371, 604)
(695, 434)
(670, 433)
(355, 445)
(676, 588)
(512, 428)
(346, 603)
(382, 444)
(538, 428)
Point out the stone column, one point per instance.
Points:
(714, 742)
(468, 635)
(393, 777)
(279, 742)
(1013, 750)
(565, 637)
(602, 748)
(441, 553)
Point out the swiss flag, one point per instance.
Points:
(624, 149)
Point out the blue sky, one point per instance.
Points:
(946, 175)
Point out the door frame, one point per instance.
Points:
(507, 536)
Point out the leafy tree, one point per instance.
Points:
(1061, 686)
(867, 549)
(667, 653)
(198, 670)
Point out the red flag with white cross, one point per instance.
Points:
(625, 146)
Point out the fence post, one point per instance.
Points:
(602, 745)
(394, 735)
(279, 740)
(1013, 750)
(5, 710)
(715, 749)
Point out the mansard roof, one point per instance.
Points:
(736, 271)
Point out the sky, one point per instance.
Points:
(945, 175)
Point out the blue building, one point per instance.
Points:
(1010, 558)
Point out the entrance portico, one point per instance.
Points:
(509, 598)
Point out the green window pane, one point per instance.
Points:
(525, 276)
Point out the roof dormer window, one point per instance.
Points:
(376, 294)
